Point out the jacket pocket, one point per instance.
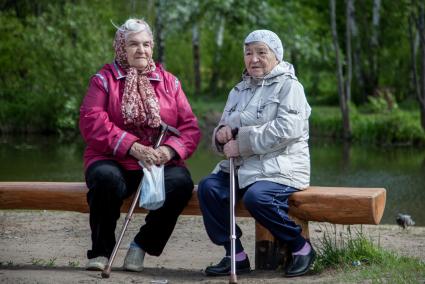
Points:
(277, 166)
(267, 109)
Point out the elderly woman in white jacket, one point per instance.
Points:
(270, 112)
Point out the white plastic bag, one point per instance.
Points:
(152, 195)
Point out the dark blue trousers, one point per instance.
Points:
(266, 201)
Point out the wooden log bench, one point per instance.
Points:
(337, 205)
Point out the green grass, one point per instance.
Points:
(74, 263)
(42, 262)
(369, 126)
(51, 262)
(38, 261)
(396, 127)
(359, 260)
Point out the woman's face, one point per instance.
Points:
(139, 49)
(259, 59)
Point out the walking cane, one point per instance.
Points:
(233, 278)
(107, 271)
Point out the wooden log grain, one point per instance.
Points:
(338, 205)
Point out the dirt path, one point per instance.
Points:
(50, 247)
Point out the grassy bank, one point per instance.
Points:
(397, 127)
(356, 258)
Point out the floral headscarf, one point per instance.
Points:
(140, 105)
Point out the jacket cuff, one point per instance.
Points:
(244, 142)
(124, 143)
(176, 144)
(216, 145)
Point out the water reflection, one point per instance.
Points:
(399, 170)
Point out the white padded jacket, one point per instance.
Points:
(272, 116)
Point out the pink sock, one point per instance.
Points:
(304, 251)
(240, 256)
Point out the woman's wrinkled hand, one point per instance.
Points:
(165, 154)
(224, 134)
(145, 154)
(231, 149)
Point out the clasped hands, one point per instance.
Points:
(231, 147)
(149, 156)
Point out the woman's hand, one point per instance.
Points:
(231, 149)
(224, 135)
(165, 153)
(146, 155)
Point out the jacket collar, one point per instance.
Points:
(120, 73)
(283, 68)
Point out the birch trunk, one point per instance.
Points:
(374, 42)
(159, 31)
(357, 56)
(342, 96)
(217, 57)
(421, 31)
(349, 16)
(196, 58)
(413, 43)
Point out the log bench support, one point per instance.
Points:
(337, 205)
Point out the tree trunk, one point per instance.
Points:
(349, 16)
(217, 57)
(413, 52)
(133, 6)
(357, 56)
(342, 96)
(159, 32)
(375, 22)
(196, 58)
(421, 31)
(371, 80)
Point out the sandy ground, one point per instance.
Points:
(50, 247)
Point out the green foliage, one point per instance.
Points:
(383, 102)
(50, 49)
(74, 263)
(325, 121)
(38, 261)
(397, 127)
(377, 104)
(361, 259)
(47, 62)
(346, 250)
(51, 262)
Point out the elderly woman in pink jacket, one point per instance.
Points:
(120, 119)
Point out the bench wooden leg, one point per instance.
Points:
(271, 254)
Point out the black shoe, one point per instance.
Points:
(300, 264)
(223, 267)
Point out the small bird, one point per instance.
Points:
(404, 220)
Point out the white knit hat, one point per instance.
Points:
(269, 38)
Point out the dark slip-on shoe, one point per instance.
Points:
(300, 264)
(223, 267)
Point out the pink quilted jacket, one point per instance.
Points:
(102, 125)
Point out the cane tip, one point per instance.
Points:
(105, 274)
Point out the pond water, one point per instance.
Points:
(400, 170)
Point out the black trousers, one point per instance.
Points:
(109, 184)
